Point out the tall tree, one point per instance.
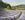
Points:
(4, 5)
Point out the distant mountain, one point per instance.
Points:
(21, 5)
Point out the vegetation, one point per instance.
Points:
(8, 6)
(4, 5)
(21, 7)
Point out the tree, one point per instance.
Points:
(4, 5)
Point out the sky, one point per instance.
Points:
(14, 2)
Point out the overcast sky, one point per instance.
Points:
(14, 2)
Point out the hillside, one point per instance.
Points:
(21, 7)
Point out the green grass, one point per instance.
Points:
(18, 8)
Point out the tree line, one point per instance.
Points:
(4, 5)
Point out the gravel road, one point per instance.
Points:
(12, 13)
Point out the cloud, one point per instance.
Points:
(14, 2)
